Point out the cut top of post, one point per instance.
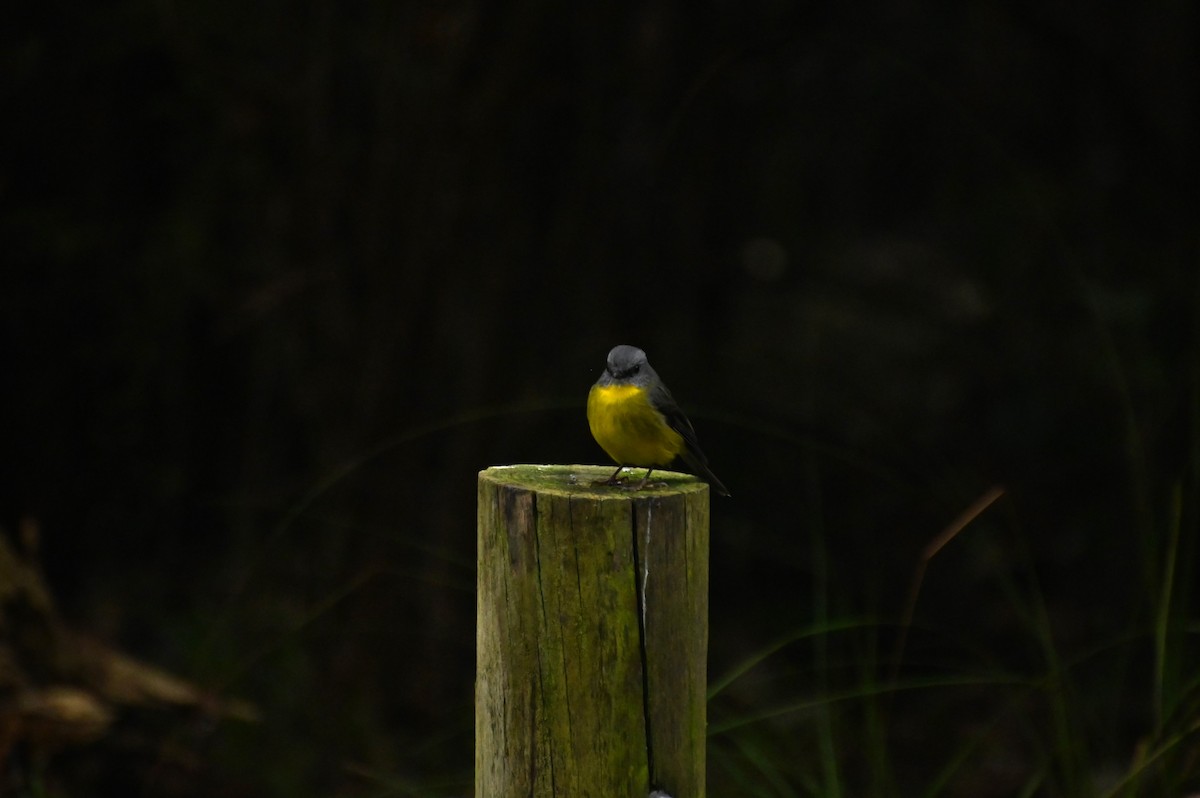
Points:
(581, 480)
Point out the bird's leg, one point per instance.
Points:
(646, 481)
(611, 480)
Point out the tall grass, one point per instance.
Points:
(946, 717)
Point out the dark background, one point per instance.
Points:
(279, 279)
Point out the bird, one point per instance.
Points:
(637, 423)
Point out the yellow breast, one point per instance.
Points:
(628, 427)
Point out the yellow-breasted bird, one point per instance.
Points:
(636, 421)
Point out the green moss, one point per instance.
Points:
(580, 480)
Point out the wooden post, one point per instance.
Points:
(591, 636)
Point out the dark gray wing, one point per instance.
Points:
(661, 398)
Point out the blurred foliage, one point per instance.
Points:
(280, 279)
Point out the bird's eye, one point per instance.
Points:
(636, 368)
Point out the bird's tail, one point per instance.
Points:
(701, 469)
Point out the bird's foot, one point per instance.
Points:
(612, 482)
(647, 483)
(628, 483)
(616, 480)
(644, 484)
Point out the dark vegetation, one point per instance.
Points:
(279, 279)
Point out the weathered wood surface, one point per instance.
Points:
(592, 634)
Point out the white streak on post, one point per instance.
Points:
(646, 560)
